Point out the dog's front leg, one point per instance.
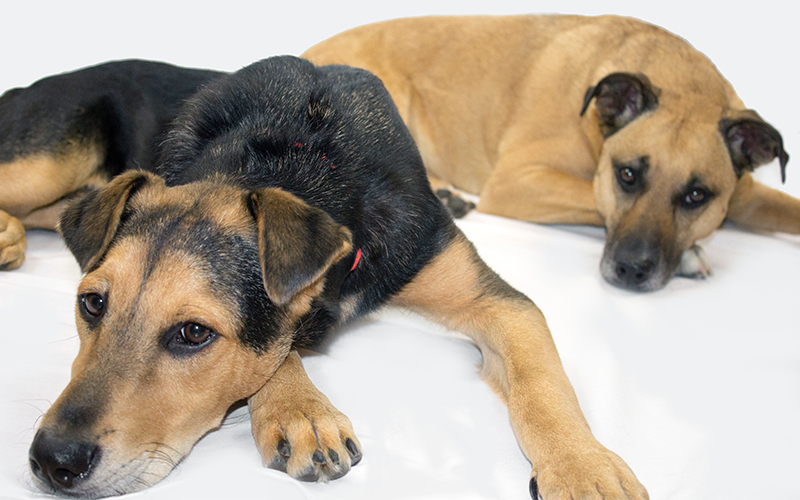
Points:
(520, 362)
(757, 207)
(12, 242)
(537, 193)
(297, 429)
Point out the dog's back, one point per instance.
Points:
(123, 105)
(473, 88)
(332, 137)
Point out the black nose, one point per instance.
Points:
(635, 261)
(61, 462)
(634, 273)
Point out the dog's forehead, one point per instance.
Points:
(221, 202)
(676, 145)
(147, 294)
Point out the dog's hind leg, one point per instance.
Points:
(520, 362)
(34, 190)
(298, 430)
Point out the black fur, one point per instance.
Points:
(332, 137)
(621, 98)
(752, 142)
(123, 106)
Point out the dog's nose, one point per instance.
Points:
(634, 273)
(61, 462)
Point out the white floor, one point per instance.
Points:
(696, 386)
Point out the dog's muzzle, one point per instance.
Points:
(60, 462)
(634, 264)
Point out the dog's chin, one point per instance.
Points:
(110, 478)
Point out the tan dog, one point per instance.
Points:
(604, 121)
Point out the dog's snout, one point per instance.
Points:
(61, 462)
(634, 273)
(635, 262)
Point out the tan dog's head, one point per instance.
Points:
(189, 303)
(667, 170)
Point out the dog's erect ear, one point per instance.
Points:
(297, 243)
(89, 223)
(621, 98)
(752, 142)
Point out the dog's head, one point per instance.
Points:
(667, 170)
(189, 303)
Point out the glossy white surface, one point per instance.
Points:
(696, 386)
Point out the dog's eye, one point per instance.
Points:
(695, 197)
(194, 334)
(629, 178)
(92, 304)
(627, 175)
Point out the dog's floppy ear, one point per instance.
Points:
(297, 243)
(89, 223)
(621, 98)
(752, 142)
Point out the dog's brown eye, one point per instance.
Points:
(627, 175)
(192, 333)
(93, 304)
(631, 176)
(695, 197)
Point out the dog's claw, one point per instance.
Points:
(12, 242)
(355, 453)
(284, 449)
(534, 489)
(694, 264)
(308, 475)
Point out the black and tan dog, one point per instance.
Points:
(289, 199)
(71, 131)
(605, 121)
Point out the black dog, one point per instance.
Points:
(290, 199)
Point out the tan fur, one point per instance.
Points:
(494, 104)
(31, 191)
(37, 181)
(290, 408)
(12, 242)
(154, 406)
(521, 363)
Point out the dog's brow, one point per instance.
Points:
(227, 259)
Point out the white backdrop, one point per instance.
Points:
(696, 386)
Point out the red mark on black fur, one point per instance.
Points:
(358, 258)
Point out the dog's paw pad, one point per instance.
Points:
(306, 437)
(455, 204)
(12, 242)
(694, 264)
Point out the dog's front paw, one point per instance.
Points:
(455, 204)
(12, 242)
(304, 435)
(592, 474)
(694, 264)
